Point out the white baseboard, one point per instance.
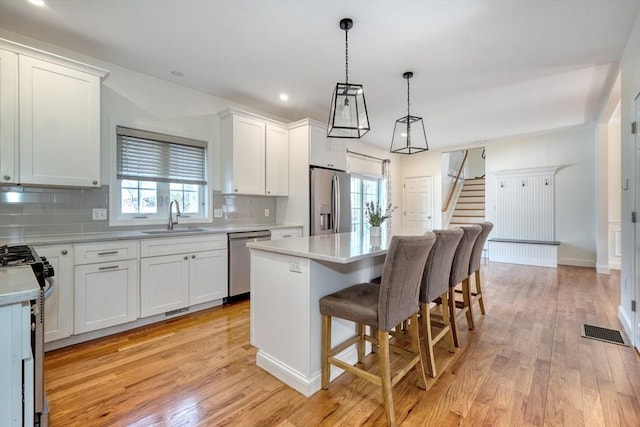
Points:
(602, 269)
(297, 381)
(627, 323)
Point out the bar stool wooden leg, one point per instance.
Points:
(360, 331)
(479, 291)
(447, 321)
(452, 316)
(415, 344)
(385, 374)
(466, 298)
(428, 337)
(326, 349)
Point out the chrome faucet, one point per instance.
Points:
(171, 220)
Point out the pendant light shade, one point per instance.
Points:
(409, 136)
(348, 116)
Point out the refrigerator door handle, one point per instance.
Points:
(337, 203)
(332, 223)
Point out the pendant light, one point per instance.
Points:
(409, 136)
(348, 117)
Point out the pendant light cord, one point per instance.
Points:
(408, 103)
(346, 55)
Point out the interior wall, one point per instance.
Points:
(573, 152)
(474, 166)
(614, 208)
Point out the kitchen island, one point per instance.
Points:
(288, 278)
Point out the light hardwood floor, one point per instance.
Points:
(525, 364)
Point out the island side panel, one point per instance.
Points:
(285, 315)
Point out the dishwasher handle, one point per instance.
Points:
(249, 234)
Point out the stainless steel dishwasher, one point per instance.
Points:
(239, 261)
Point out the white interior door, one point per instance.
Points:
(635, 332)
(418, 204)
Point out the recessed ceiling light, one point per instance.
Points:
(176, 73)
(284, 97)
(37, 2)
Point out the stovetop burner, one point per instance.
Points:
(16, 255)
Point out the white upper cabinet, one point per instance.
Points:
(254, 155)
(8, 115)
(277, 161)
(57, 105)
(326, 152)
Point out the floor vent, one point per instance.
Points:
(603, 334)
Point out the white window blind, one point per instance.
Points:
(150, 156)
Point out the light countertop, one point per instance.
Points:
(18, 284)
(341, 248)
(182, 231)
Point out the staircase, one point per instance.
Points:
(469, 208)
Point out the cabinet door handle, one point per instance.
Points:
(186, 257)
(108, 253)
(193, 257)
(111, 267)
(287, 235)
(64, 252)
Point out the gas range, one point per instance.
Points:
(23, 255)
(17, 256)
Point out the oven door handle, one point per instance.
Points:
(49, 289)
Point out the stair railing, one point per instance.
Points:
(445, 208)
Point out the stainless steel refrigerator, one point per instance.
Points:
(330, 201)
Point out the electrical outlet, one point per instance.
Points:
(266, 212)
(98, 214)
(217, 213)
(295, 267)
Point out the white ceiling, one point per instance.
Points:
(482, 68)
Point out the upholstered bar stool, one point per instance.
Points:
(475, 263)
(381, 307)
(435, 288)
(460, 275)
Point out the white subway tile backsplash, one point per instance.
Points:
(32, 211)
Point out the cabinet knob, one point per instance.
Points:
(236, 190)
(268, 192)
(6, 177)
(64, 252)
(94, 182)
(186, 257)
(193, 257)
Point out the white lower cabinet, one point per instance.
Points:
(106, 293)
(180, 272)
(58, 309)
(164, 284)
(207, 276)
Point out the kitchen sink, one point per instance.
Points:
(174, 231)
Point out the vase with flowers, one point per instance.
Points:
(375, 216)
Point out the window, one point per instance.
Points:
(153, 169)
(363, 189)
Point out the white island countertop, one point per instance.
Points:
(342, 248)
(18, 284)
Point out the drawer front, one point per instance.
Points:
(182, 245)
(89, 253)
(285, 233)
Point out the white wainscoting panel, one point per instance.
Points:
(525, 215)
